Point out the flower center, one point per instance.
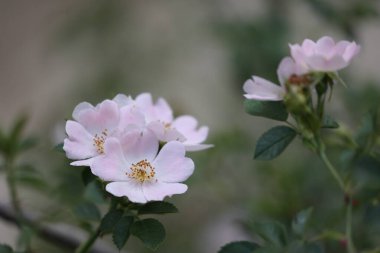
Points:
(142, 171)
(299, 80)
(99, 140)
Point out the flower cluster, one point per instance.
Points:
(323, 56)
(120, 139)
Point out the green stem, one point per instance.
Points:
(350, 244)
(332, 169)
(13, 189)
(86, 246)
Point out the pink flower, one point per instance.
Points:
(259, 88)
(159, 118)
(135, 170)
(123, 100)
(88, 133)
(324, 55)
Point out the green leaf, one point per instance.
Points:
(329, 122)
(59, 148)
(121, 231)
(273, 142)
(5, 249)
(93, 192)
(87, 176)
(110, 220)
(87, 211)
(27, 175)
(239, 247)
(158, 207)
(27, 144)
(301, 220)
(150, 231)
(268, 109)
(271, 232)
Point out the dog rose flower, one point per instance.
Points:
(135, 170)
(324, 55)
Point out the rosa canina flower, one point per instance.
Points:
(159, 118)
(135, 170)
(259, 88)
(324, 55)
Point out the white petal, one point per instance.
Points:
(138, 145)
(80, 108)
(197, 147)
(171, 165)
(104, 116)
(164, 133)
(131, 117)
(79, 144)
(132, 190)
(156, 191)
(111, 166)
(261, 89)
(122, 100)
(86, 162)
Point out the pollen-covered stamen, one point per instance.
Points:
(142, 171)
(99, 140)
(299, 80)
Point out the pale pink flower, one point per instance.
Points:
(324, 55)
(159, 118)
(135, 170)
(123, 100)
(287, 68)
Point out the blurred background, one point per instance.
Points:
(197, 55)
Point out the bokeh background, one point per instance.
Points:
(196, 54)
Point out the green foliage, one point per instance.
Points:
(301, 221)
(273, 142)
(110, 220)
(239, 247)
(5, 249)
(157, 207)
(268, 109)
(93, 192)
(121, 231)
(150, 231)
(59, 148)
(87, 211)
(329, 122)
(273, 233)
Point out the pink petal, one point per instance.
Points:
(122, 100)
(197, 147)
(104, 116)
(171, 165)
(156, 191)
(163, 111)
(138, 145)
(325, 46)
(164, 133)
(261, 89)
(131, 117)
(87, 162)
(80, 108)
(132, 190)
(111, 166)
(351, 50)
(308, 47)
(79, 144)
(319, 63)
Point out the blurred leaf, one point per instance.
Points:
(5, 249)
(304, 247)
(268, 109)
(239, 247)
(27, 144)
(329, 122)
(271, 232)
(17, 129)
(269, 249)
(150, 231)
(25, 237)
(87, 211)
(273, 142)
(121, 231)
(93, 192)
(110, 220)
(27, 175)
(87, 176)
(301, 220)
(158, 207)
(59, 148)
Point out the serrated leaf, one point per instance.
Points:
(150, 231)
(121, 231)
(268, 109)
(93, 192)
(273, 142)
(271, 232)
(110, 220)
(87, 211)
(5, 249)
(329, 122)
(301, 220)
(158, 207)
(239, 247)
